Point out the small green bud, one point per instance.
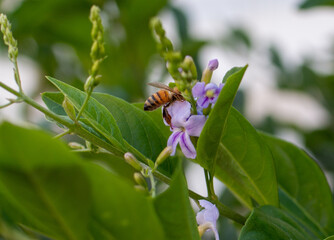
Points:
(8, 38)
(89, 84)
(163, 156)
(189, 65)
(156, 25)
(139, 179)
(130, 159)
(69, 109)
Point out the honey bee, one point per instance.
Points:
(165, 96)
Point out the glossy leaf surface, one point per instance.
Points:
(303, 180)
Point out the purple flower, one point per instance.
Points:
(207, 218)
(184, 125)
(206, 94)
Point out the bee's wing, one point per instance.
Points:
(163, 86)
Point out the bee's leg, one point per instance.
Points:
(166, 115)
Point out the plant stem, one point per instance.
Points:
(68, 131)
(83, 105)
(207, 181)
(152, 180)
(17, 76)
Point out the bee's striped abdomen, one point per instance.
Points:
(156, 100)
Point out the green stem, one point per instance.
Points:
(6, 105)
(83, 105)
(68, 131)
(207, 181)
(17, 76)
(152, 180)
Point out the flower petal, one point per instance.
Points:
(198, 89)
(221, 85)
(195, 124)
(203, 102)
(173, 140)
(210, 86)
(187, 146)
(179, 111)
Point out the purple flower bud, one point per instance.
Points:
(213, 64)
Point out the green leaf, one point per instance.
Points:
(43, 183)
(302, 179)
(118, 210)
(230, 72)
(316, 3)
(111, 162)
(174, 209)
(291, 206)
(97, 115)
(272, 223)
(244, 163)
(330, 238)
(64, 197)
(156, 117)
(136, 127)
(208, 142)
(53, 100)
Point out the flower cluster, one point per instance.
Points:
(183, 124)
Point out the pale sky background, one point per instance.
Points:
(296, 33)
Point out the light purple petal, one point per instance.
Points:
(210, 212)
(213, 64)
(216, 233)
(173, 140)
(210, 86)
(203, 102)
(195, 124)
(179, 112)
(198, 89)
(200, 218)
(187, 146)
(221, 85)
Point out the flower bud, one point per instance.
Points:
(190, 66)
(69, 109)
(207, 74)
(139, 179)
(130, 159)
(89, 84)
(163, 156)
